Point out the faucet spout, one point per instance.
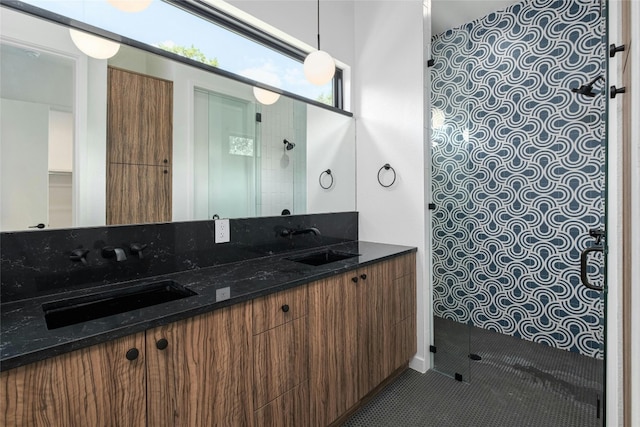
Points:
(111, 252)
(288, 232)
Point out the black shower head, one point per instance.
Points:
(288, 145)
(588, 88)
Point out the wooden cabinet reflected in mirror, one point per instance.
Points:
(139, 147)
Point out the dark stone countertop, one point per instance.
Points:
(24, 337)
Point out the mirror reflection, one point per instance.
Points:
(140, 138)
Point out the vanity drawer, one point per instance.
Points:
(279, 308)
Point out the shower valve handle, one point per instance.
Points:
(613, 49)
(613, 91)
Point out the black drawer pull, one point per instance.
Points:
(132, 354)
(363, 276)
(354, 279)
(285, 308)
(162, 343)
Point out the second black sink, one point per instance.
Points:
(77, 310)
(322, 257)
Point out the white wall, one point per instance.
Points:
(389, 104)
(330, 140)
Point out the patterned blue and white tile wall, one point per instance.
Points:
(518, 171)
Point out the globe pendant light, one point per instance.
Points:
(319, 66)
(265, 97)
(95, 47)
(131, 6)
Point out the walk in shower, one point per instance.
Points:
(518, 180)
(249, 159)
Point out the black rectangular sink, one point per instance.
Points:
(77, 310)
(322, 257)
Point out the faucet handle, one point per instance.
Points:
(79, 255)
(137, 248)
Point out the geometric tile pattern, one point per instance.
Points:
(518, 172)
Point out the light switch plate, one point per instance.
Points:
(223, 234)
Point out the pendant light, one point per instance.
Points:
(265, 97)
(131, 6)
(319, 66)
(94, 46)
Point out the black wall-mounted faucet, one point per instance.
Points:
(111, 252)
(288, 232)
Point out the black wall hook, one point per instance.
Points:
(387, 167)
(327, 172)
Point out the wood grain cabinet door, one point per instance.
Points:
(138, 194)
(374, 328)
(139, 119)
(95, 386)
(333, 348)
(402, 300)
(199, 370)
(387, 331)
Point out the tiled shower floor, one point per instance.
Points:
(517, 383)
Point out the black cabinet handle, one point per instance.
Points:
(40, 226)
(132, 354)
(285, 308)
(354, 279)
(363, 276)
(162, 343)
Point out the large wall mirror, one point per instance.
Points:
(226, 154)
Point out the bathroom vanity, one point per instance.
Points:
(297, 337)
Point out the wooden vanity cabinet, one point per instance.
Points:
(188, 373)
(301, 357)
(280, 359)
(90, 387)
(361, 329)
(197, 370)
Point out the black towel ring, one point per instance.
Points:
(387, 166)
(327, 172)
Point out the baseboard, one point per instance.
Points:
(419, 364)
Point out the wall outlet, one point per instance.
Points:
(223, 234)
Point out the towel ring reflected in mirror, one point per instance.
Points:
(330, 175)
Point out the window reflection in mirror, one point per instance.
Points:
(205, 41)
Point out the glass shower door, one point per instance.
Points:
(226, 156)
(452, 221)
(518, 178)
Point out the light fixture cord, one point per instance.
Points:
(318, 24)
